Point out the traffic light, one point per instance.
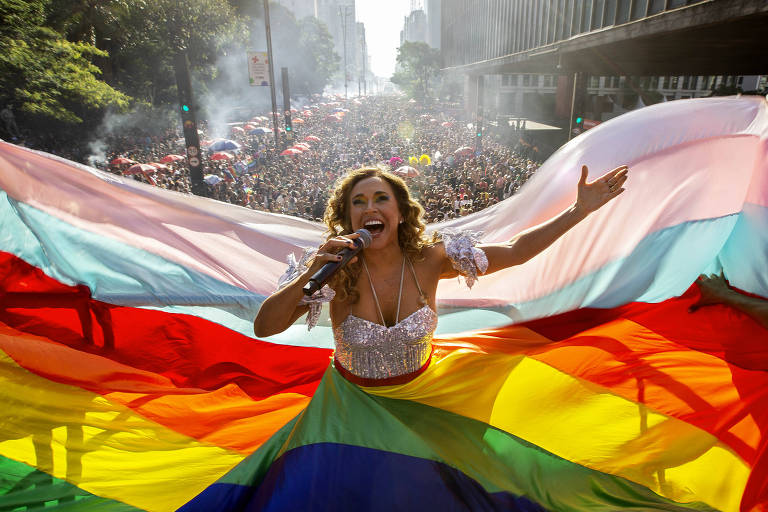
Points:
(479, 132)
(185, 107)
(579, 120)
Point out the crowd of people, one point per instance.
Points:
(450, 179)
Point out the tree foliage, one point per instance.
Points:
(305, 47)
(417, 65)
(75, 60)
(44, 75)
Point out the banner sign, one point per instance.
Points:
(258, 72)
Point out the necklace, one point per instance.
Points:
(376, 298)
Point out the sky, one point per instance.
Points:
(383, 21)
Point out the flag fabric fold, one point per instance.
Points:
(130, 378)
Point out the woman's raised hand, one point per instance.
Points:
(330, 250)
(595, 194)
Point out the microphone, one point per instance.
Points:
(324, 274)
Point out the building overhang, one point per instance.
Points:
(717, 37)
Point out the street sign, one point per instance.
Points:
(258, 71)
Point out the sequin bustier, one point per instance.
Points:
(374, 351)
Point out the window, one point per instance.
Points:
(654, 82)
(674, 81)
(526, 80)
(505, 80)
(594, 81)
(548, 80)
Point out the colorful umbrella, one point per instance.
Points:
(395, 160)
(171, 158)
(160, 167)
(464, 151)
(211, 179)
(139, 169)
(406, 171)
(224, 145)
(122, 161)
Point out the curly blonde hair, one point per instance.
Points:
(410, 233)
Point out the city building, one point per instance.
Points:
(432, 10)
(414, 27)
(300, 8)
(534, 95)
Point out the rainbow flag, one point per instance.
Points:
(130, 379)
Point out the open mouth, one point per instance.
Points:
(374, 226)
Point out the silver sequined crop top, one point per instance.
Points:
(374, 351)
(371, 350)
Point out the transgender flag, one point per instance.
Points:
(129, 377)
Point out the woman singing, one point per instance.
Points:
(383, 303)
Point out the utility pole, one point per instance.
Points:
(343, 13)
(189, 123)
(287, 107)
(479, 114)
(365, 56)
(271, 75)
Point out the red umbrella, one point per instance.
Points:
(290, 152)
(249, 127)
(406, 171)
(122, 161)
(237, 129)
(171, 158)
(221, 156)
(312, 138)
(302, 145)
(464, 151)
(300, 149)
(298, 120)
(447, 124)
(139, 169)
(159, 166)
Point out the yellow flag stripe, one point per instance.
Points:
(100, 446)
(583, 423)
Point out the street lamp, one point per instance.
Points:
(344, 11)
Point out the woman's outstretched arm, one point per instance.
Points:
(527, 244)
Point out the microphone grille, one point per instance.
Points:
(365, 237)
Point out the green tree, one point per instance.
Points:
(321, 62)
(44, 76)
(418, 64)
(305, 47)
(142, 36)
